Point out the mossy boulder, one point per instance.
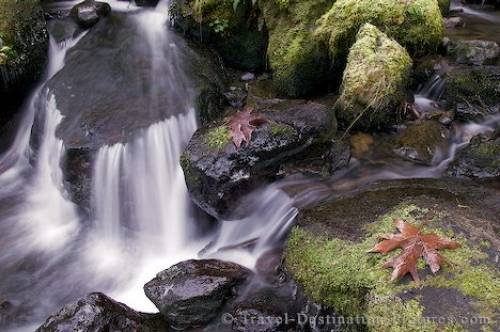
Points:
(373, 86)
(415, 24)
(218, 174)
(299, 61)
(327, 254)
(234, 29)
(478, 160)
(472, 92)
(421, 142)
(23, 53)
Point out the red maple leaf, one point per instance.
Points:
(242, 124)
(414, 245)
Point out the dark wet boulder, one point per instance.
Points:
(7, 312)
(421, 142)
(474, 52)
(233, 29)
(23, 53)
(192, 293)
(98, 313)
(373, 88)
(480, 159)
(473, 93)
(87, 13)
(108, 91)
(327, 254)
(218, 174)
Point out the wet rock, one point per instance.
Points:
(146, 3)
(107, 91)
(87, 13)
(24, 54)
(217, 174)
(474, 52)
(248, 77)
(327, 254)
(472, 92)
(191, 293)
(454, 22)
(6, 312)
(479, 159)
(236, 32)
(236, 97)
(373, 87)
(421, 141)
(99, 313)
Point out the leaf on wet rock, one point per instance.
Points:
(242, 124)
(414, 245)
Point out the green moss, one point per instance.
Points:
(278, 129)
(444, 6)
(299, 62)
(374, 80)
(475, 85)
(415, 24)
(342, 275)
(218, 137)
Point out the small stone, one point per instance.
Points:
(236, 97)
(453, 22)
(248, 77)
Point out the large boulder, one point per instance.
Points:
(23, 53)
(300, 62)
(415, 24)
(327, 254)
(480, 159)
(191, 293)
(373, 87)
(110, 89)
(87, 13)
(473, 93)
(218, 174)
(233, 28)
(98, 313)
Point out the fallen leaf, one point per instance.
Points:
(242, 124)
(414, 245)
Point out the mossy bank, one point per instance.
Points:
(327, 254)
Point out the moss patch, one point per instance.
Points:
(299, 62)
(218, 137)
(374, 80)
(415, 24)
(341, 274)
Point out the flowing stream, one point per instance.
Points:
(142, 220)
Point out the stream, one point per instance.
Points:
(141, 218)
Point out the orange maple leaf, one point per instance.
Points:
(242, 124)
(414, 245)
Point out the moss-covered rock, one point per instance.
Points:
(373, 87)
(234, 28)
(420, 142)
(327, 254)
(24, 51)
(444, 6)
(299, 61)
(415, 24)
(478, 160)
(473, 92)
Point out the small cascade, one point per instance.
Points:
(426, 100)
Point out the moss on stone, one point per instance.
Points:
(444, 6)
(300, 62)
(415, 24)
(279, 129)
(341, 274)
(218, 137)
(15, 16)
(373, 87)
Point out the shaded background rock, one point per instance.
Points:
(477, 160)
(23, 31)
(87, 13)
